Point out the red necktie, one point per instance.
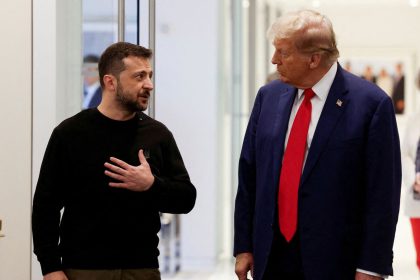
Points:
(291, 170)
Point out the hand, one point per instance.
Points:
(416, 187)
(134, 178)
(363, 276)
(244, 263)
(56, 275)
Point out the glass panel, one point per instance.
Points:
(100, 29)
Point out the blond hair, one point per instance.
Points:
(311, 32)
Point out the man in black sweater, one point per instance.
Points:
(111, 169)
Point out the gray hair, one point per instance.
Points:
(311, 32)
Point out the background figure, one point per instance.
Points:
(410, 152)
(368, 74)
(399, 90)
(385, 81)
(418, 162)
(320, 168)
(92, 92)
(347, 66)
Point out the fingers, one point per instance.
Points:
(119, 185)
(116, 173)
(115, 169)
(120, 163)
(244, 263)
(241, 271)
(142, 158)
(115, 176)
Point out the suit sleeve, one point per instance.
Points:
(382, 193)
(173, 189)
(245, 197)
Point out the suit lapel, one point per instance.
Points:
(333, 109)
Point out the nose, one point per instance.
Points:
(148, 84)
(276, 59)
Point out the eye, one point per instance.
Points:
(140, 76)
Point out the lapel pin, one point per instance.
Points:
(339, 103)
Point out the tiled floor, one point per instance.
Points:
(404, 260)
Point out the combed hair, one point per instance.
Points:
(111, 61)
(311, 31)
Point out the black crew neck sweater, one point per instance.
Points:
(103, 227)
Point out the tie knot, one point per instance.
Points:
(309, 93)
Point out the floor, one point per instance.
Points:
(404, 260)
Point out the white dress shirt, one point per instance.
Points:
(321, 89)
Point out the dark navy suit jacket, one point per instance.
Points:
(350, 187)
(96, 98)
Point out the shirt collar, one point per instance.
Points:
(323, 86)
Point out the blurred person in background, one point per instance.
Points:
(410, 153)
(399, 89)
(92, 91)
(385, 81)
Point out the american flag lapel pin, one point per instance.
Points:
(339, 103)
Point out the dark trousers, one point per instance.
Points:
(113, 274)
(284, 262)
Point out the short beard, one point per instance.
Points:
(129, 105)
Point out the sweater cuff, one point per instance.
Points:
(157, 185)
(50, 265)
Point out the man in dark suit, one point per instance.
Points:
(92, 93)
(399, 89)
(320, 167)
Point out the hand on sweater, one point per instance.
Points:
(56, 275)
(135, 178)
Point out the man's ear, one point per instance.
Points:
(110, 82)
(315, 60)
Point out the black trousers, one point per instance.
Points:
(284, 262)
(113, 274)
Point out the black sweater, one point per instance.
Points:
(103, 227)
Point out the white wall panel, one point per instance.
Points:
(15, 139)
(186, 101)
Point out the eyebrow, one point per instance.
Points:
(143, 72)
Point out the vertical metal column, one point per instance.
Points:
(121, 20)
(237, 93)
(152, 46)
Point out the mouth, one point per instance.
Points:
(144, 95)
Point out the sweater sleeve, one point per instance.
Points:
(47, 204)
(173, 189)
